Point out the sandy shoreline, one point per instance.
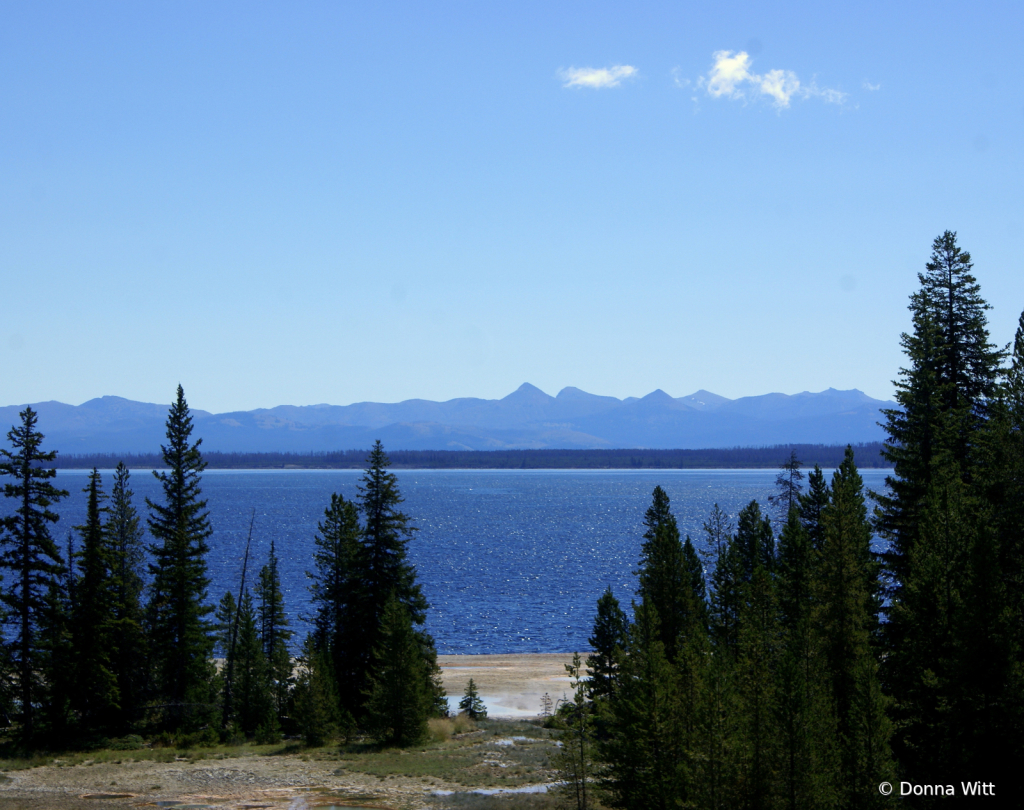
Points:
(510, 685)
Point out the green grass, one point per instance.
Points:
(471, 759)
(490, 753)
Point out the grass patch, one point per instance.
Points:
(495, 754)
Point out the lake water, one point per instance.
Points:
(511, 561)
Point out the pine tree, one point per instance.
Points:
(811, 505)
(755, 540)
(471, 703)
(944, 395)
(575, 757)
(847, 616)
(30, 555)
(252, 700)
(667, 576)
(274, 632)
(610, 626)
(646, 766)
(385, 571)
(359, 569)
(127, 556)
(96, 698)
(809, 769)
(759, 758)
(1003, 704)
(788, 486)
(400, 693)
(56, 662)
(335, 592)
(180, 633)
(317, 711)
(224, 625)
(937, 512)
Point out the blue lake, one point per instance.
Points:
(511, 561)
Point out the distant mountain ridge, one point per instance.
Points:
(527, 418)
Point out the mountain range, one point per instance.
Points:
(526, 418)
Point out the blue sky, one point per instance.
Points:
(337, 202)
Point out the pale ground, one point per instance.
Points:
(511, 685)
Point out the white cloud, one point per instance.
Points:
(872, 87)
(728, 74)
(781, 85)
(596, 78)
(731, 76)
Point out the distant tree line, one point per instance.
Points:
(111, 636)
(869, 454)
(795, 666)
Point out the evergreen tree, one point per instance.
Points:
(31, 557)
(758, 782)
(811, 505)
(274, 632)
(359, 569)
(180, 633)
(471, 703)
(335, 592)
(400, 694)
(224, 625)
(317, 711)
(645, 762)
(1002, 743)
(809, 769)
(385, 571)
(667, 576)
(96, 695)
(937, 520)
(127, 555)
(847, 616)
(55, 659)
(610, 626)
(755, 540)
(252, 700)
(787, 486)
(574, 759)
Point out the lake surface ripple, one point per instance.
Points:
(511, 561)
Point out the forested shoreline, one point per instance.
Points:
(869, 454)
(791, 665)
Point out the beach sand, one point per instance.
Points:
(509, 685)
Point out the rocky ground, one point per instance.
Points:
(495, 756)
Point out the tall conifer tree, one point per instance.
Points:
(252, 700)
(666, 576)
(847, 605)
(274, 631)
(335, 592)
(400, 694)
(934, 512)
(97, 699)
(127, 557)
(646, 763)
(609, 638)
(29, 555)
(180, 633)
